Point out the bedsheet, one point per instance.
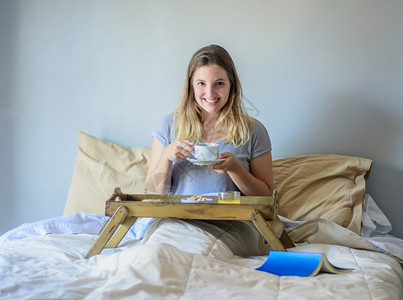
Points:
(176, 260)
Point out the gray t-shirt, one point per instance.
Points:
(190, 179)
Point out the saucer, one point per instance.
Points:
(204, 162)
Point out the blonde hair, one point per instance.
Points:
(189, 117)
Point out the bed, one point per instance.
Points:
(323, 206)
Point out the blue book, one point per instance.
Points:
(304, 264)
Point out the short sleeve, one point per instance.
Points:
(260, 140)
(162, 131)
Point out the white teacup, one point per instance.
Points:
(206, 151)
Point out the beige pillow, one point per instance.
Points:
(325, 186)
(100, 167)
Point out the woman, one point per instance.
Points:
(210, 110)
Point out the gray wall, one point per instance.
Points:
(323, 76)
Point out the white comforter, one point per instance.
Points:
(176, 260)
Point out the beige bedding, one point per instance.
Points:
(176, 260)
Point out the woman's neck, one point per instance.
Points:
(211, 132)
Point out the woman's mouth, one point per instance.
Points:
(211, 100)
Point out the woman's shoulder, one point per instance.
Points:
(167, 118)
(259, 132)
(164, 124)
(163, 128)
(256, 125)
(260, 139)
(165, 121)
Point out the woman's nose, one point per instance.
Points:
(210, 91)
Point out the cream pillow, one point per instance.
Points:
(100, 167)
(325, 186)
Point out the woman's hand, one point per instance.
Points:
(178, 150)
(257, 181)
(229, 164)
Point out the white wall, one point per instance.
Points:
(323, 76)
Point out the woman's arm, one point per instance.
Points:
(160, 167)
(257, 182)
(159, 170)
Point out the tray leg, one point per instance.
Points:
(108, 230)
(121, 232)
(278, 228)
(271, 230)
(286, 240)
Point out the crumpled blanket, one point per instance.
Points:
(374, 233)
(175, 260)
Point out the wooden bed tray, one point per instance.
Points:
(124, 209)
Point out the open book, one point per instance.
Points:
(304, 264)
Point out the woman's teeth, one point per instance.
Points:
(211, 100)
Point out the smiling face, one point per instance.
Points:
(211, 88)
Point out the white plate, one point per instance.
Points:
(184, 200)
(204, 162)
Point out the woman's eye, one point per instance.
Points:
(200, 83)
(220, 83)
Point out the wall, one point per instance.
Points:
(323, 76)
